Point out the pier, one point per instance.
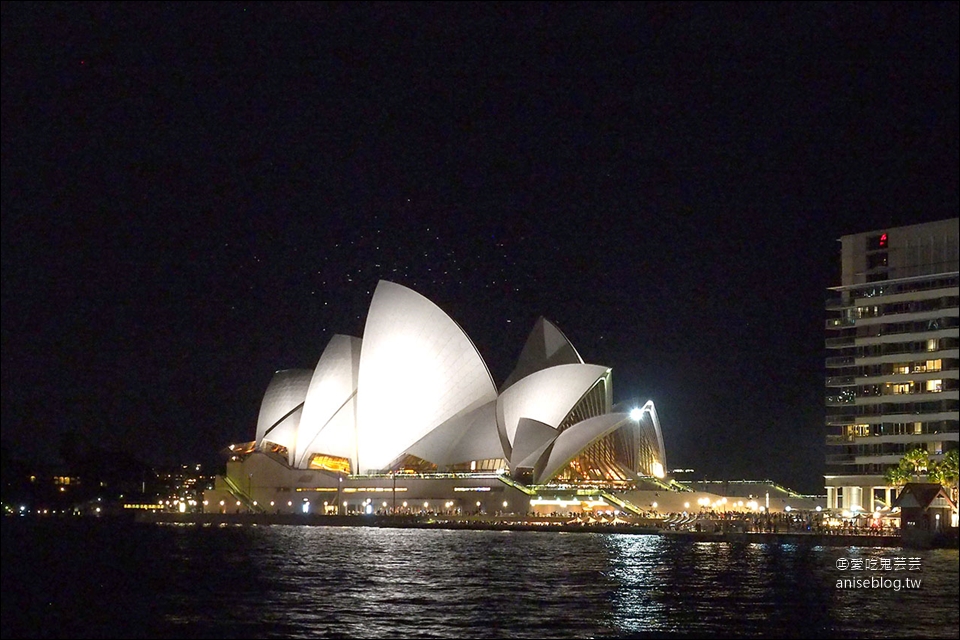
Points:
(493, 523)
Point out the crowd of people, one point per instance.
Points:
(778, 522)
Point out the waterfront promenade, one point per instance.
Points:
(516, 523)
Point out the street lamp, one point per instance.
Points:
(339, 485)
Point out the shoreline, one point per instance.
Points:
(506, 524)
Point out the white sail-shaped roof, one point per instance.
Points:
(546, 347)
(545, 396)
(649, 421)
(532, 439)
(465, 437)
(577, 438)
(416, 385)
(417, 370)
(280, 409)
(329, 420)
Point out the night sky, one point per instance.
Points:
(196, 195)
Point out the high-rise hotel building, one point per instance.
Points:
(892, 357)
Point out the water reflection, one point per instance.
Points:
(671, 585)
(101, 580)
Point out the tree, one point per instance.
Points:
(912, 465)
(916, 462)
(946, 471)
(896, 476)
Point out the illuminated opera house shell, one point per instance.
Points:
(415, 393)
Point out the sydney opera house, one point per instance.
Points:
(409, 418)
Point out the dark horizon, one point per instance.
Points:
(195, 196)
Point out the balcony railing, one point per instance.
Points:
(841, 341)
(839, 323)
(840, 361)
(844, 458)
(838, 303)
(920, 329)
(840, 400)
(842, 411)
(840, 381)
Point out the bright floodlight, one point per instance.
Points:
(636, 414)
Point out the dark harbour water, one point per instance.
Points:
(103, 579)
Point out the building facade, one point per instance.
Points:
(892, 358)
